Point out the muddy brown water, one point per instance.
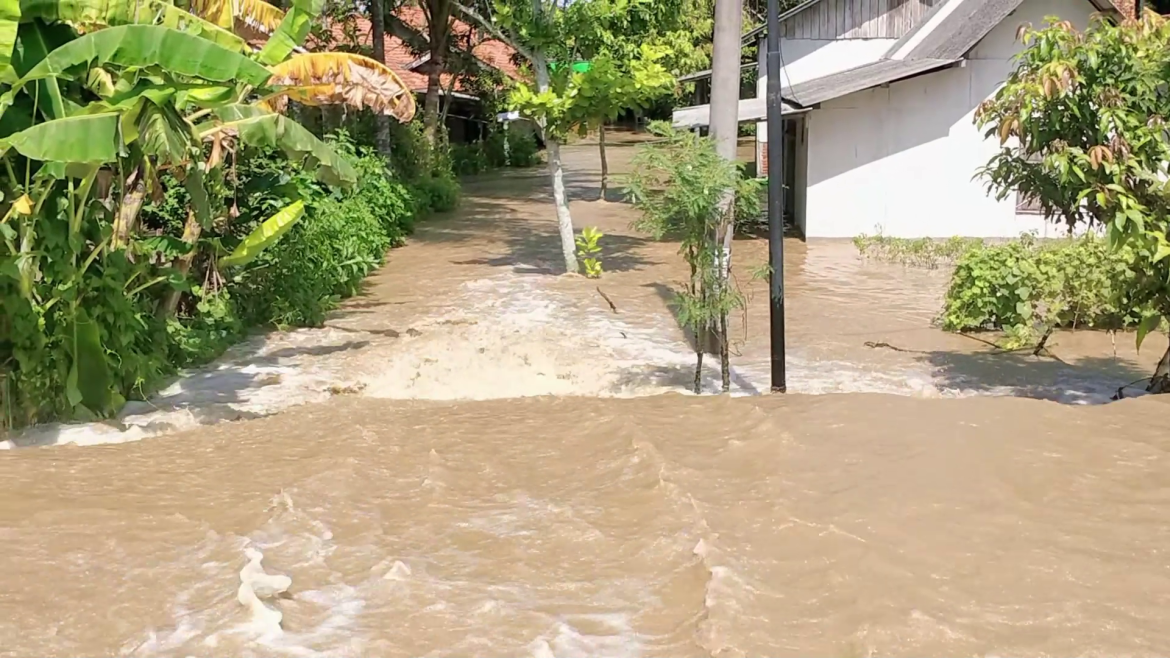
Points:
(664, 526)
(854, 524)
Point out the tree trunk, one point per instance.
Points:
(127, 219)
(191, 233)
(557, 173)
(604, 161)
(438, 31)
(378, 23)
(561, 199)
(698, 371)
(1160, 382)
(725, 79)
(724, 354)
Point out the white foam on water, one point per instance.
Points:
(505, 336)
(567, 640)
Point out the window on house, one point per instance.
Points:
(1026, 204)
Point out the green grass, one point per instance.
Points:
(927, 253)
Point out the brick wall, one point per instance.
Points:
(763, 168)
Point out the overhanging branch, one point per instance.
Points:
(419, 43)
(491, 28)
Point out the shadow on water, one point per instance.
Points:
(1087, 379)
(528, 247)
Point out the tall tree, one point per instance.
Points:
(724, 124)
(535, 29)
(378, 36)
(438, 17)
(551, 34)
(632, 45)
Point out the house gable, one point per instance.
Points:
(854, 19)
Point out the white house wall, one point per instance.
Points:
(901, 159)
(806, 59)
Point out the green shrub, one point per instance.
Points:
(435, 193)
(523, 150)
(469, 159)
(104, 312)
(204, 330)
(42, 326)
(324, 257)
(1028, 284)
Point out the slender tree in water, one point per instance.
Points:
(679, 185)
(724, 131)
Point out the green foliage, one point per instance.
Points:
(438, 192)
(631, 46)
(265, 235)
(577, 100)
(1026, 287)
(469, 159)
(916, 252)
(751, 195)
(78, 333)
(152, 102)
(677, 186)
(1081, 123)
(522, 151)
(205, 329)
(589, 249)
(481, 156)
(323, 257)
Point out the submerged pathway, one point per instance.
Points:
(474, 307)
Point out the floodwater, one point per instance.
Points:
(446, 469)
(663, 526)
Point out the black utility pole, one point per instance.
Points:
(776, 199)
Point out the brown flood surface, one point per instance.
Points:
(844, 525)
(476, 489)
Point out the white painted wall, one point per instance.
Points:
(806, 59)
(904, 157)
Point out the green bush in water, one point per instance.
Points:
(1028, 284)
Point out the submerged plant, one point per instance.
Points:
(917, 252)
(589, 249)
(677, 186)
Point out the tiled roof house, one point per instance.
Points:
(411, 66)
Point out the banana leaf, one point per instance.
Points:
(265, 235)
(293, 29)
(110, 13)
(89, 138)
(37, 40)
(9, 22)
(259, 128)
(164, 133)
(142, 46)
(88, 382)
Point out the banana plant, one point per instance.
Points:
(174, 84)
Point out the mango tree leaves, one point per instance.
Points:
(292, 31)
(90, 138)
(265, 235)
(141, 46)
(256, 127)
(1148, 324)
